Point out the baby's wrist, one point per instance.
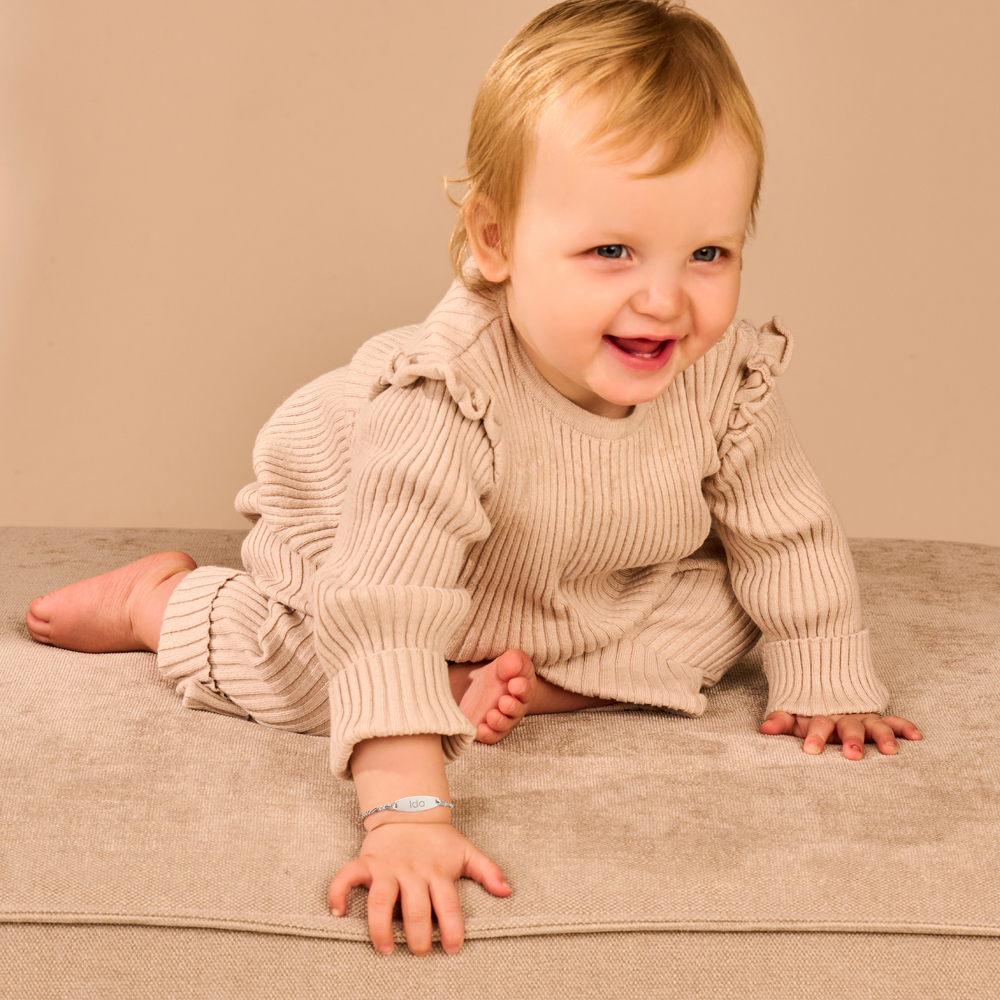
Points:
(438, 815)
(400, 771)
(410, 806)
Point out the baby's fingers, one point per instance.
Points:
(820, 728)
(444, 897)
(382, 893)
(777, 723)
(885, 730)
(486, 872)
(852, 731)
(352, 874)
(902, 727)
(381, 902)
(416, 907)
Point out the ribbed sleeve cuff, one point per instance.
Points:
(183, 654)
(825, 676)
(398, 692)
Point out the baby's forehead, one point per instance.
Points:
(577, 127)
(581, 129)
(575, 185)
(584, 122)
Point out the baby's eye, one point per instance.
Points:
(615, 251)
(707, 255)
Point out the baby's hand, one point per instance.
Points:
(419, 863)
(851, 730)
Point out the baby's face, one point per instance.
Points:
(617, 284)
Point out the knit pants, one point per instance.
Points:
(232, 650)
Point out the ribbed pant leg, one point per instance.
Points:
(701, 623)
(232, 650)
(263, 658)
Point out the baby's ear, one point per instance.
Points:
(483, 227)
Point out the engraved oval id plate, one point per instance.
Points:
(415, 804)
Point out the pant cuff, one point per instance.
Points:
(183, 654)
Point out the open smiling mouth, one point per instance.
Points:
(639, 347)
(641, 353)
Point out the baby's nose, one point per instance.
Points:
(663, 299)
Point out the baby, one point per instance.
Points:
(573, 485)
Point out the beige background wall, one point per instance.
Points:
(205, 203)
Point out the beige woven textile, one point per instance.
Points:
(621, 832)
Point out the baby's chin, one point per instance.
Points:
(618, 401)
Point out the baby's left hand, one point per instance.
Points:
(851, 730)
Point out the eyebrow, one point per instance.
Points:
(739, 240)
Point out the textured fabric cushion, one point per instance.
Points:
(123, 810)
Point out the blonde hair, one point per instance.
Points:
(666, 78)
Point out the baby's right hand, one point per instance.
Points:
(419, 862)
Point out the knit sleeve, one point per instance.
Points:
(387, 599)
(789, 562)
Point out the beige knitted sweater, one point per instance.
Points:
(437, 500)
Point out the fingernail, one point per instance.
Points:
(335, 912)
(386, 949)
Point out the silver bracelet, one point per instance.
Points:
(412, 804)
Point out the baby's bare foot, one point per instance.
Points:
(112, 613)
(498, 695)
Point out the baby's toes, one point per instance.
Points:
(38, 627)
(486, 734)
(499, 721)
(522, 689)
(512, 707)
(38, 610)
(509, 664)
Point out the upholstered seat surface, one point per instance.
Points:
(155, 851)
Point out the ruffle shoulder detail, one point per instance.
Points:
(446, 348)
(406, 367)
(762, 355)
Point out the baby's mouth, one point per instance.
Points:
(639, 347)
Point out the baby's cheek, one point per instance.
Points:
(692, 348)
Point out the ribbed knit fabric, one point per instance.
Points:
(185, 640)
(437, 500)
